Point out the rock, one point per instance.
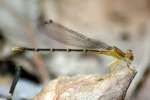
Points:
(112, 86)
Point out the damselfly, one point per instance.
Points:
(78, 39)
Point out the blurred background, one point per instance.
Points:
(123, 23)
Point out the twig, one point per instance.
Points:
(13, 86)
(15, 80)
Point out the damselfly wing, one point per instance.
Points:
(71, 37)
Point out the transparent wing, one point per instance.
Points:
(68, 36)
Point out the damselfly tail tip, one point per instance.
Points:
(16, 50)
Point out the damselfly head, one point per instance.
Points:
(129, 55)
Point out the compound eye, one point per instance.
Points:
(130, 55)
